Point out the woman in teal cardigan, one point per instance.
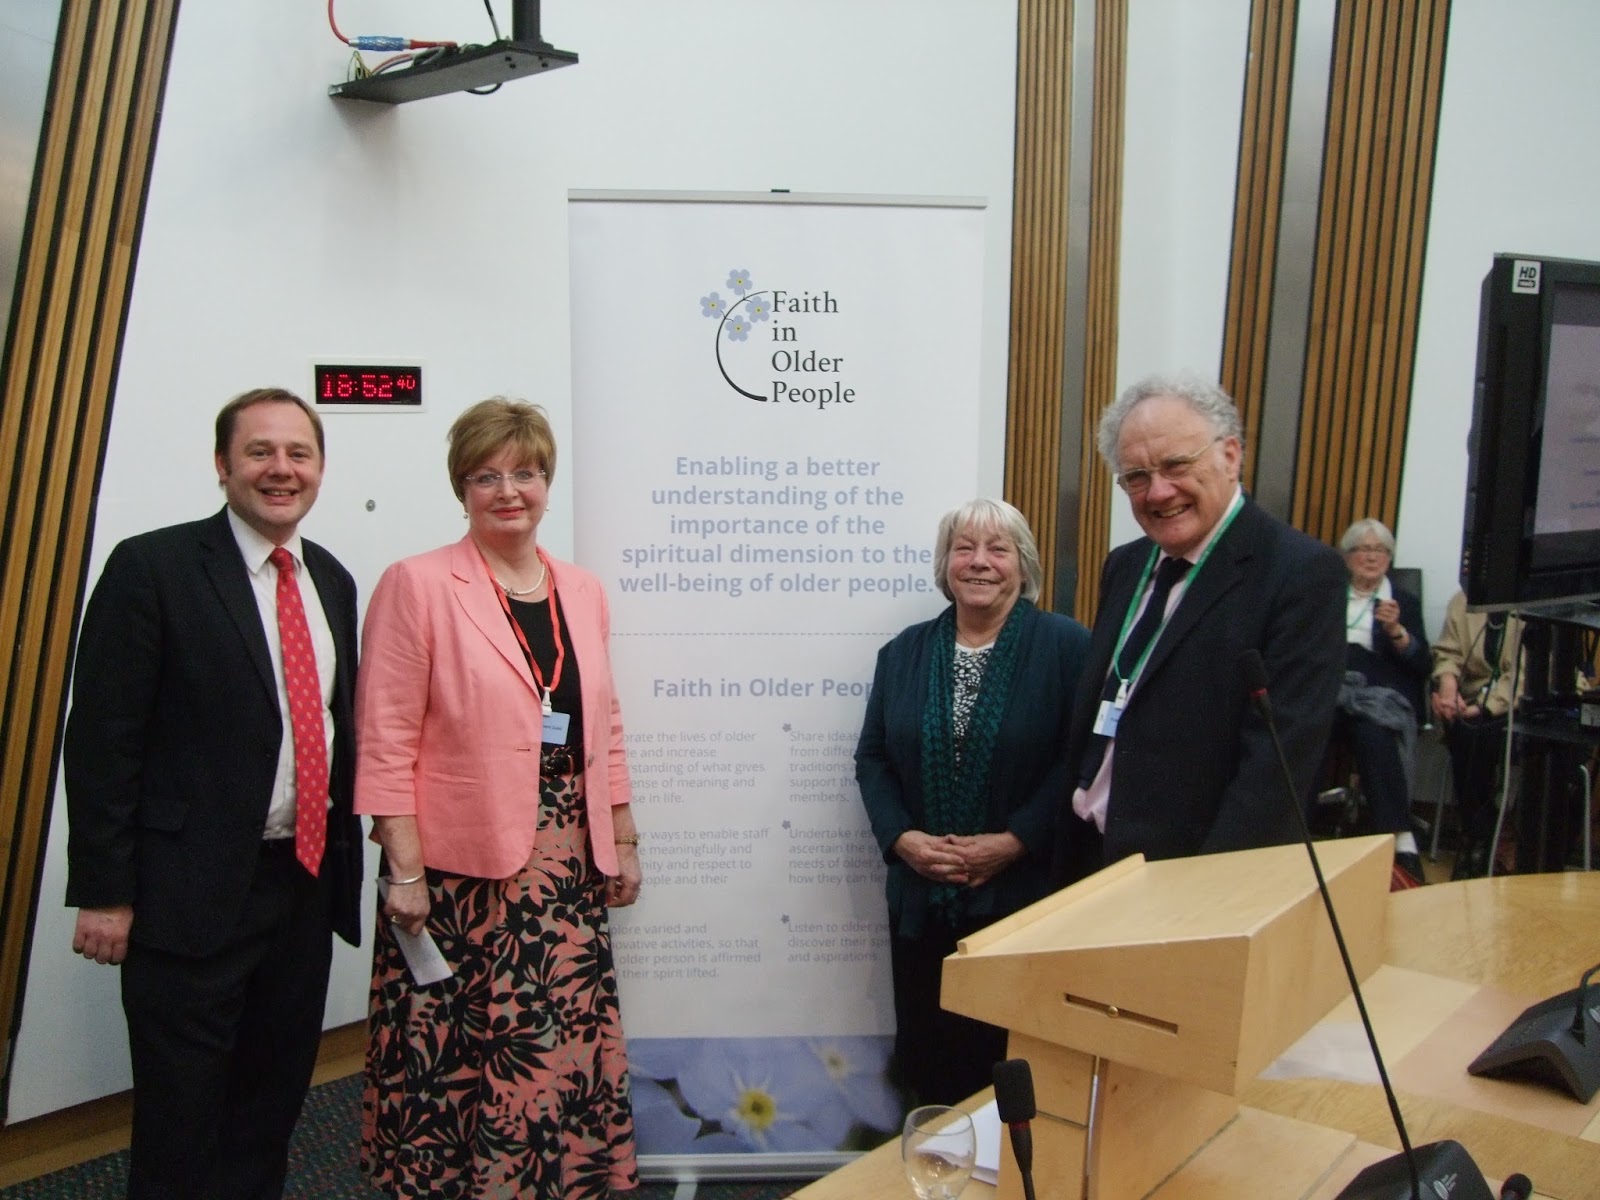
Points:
(960, 770)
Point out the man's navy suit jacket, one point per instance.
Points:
(172, 742)
(1194, 770)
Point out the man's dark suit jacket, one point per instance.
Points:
(1027, 779)
(172, 742)
(1195, 771)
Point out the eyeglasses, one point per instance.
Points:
(488, 481)
(1137, 481)
(1369, 548)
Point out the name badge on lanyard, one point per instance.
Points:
(1109, 713)
(555, 724)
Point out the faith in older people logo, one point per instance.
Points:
(772, 344)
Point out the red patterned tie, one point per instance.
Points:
(305, 714)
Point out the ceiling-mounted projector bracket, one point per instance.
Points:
(468, 68)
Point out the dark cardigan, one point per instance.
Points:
(1028, 783)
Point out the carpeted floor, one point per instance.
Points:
(322, 1163)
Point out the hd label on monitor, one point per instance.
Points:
(1525, 276)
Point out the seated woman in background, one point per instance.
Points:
(1386, 667)
(1474, 664)
(960, 769)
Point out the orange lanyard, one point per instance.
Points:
(522, 640)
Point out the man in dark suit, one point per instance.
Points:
(1169, 757)
(209, 769)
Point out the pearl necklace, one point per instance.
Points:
(528, 591)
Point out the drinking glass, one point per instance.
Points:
(938, 1146)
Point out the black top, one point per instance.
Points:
(534, 617)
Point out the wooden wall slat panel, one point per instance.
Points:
(1105, 251)
(58, 372)
(1314, 441)
(47, 441)
(1038, 278)
(1258, 206)
(49, 176)
(1400, 176)
(1372, 225)
(1063, 511)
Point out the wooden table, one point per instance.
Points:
(1530, 934)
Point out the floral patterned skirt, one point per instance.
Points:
(510, 1078)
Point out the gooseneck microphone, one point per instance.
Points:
(1449, 1169)
(1013, 1099)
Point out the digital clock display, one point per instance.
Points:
(368, 386)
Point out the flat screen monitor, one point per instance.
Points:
(1531, 534)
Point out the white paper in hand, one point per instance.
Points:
(426, 963)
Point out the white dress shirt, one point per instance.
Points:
(256, 550)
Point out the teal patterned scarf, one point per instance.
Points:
(954, 786)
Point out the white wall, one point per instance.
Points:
(1517, 170)
(1185, 84)
(283, 226)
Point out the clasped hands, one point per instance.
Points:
(959, 860)
(1447, 703)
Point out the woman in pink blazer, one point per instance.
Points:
(490, 757)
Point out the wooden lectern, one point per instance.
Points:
(1148, 995)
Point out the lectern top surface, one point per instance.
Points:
(1205, 898)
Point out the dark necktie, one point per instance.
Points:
(305, 717)
(1168, 573)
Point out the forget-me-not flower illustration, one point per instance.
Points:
(738, 317)
(658, 1058)
(663, 1128)
(857, 1066)
(663, 1120)
(772, 1095)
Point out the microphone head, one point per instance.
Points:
(1516, 1187)
(1255, 671)
(1013, 1091)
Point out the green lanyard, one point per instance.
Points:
(1370, 607)
(1125, 683)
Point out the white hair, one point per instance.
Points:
(988, 515)
(1205, 397)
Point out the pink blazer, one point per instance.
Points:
(448, 722)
